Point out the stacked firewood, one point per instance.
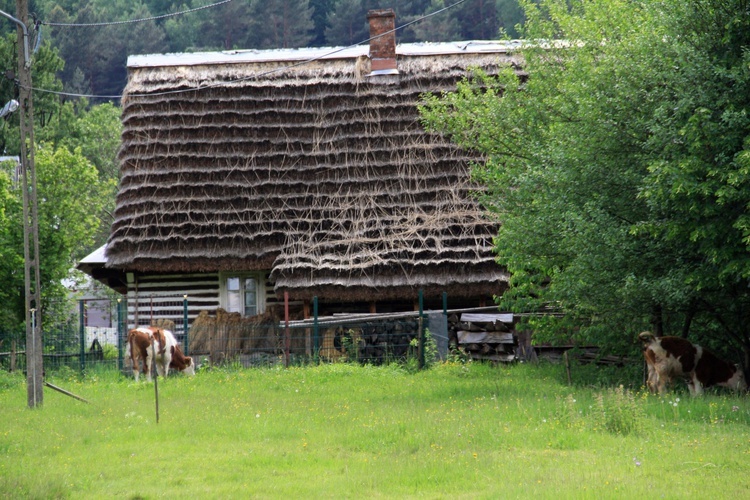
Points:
(484, 336)
(373, 342)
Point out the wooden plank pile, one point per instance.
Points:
(484, 336)
(591, 355)
(582, 354)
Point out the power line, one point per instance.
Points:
(153, 18)
(277, 70)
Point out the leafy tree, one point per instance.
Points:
(347, 23)
(12, 261)
(230, 26)
(72, 192)
(509, 17)
(161, 7)
(619, 168)
(406, 13)
(100, 50)
(183, 33)
(442, 27)
(282, 23)
(46, 63)
(321, 10)
(67, 220)
(477, 20)
(95, 132)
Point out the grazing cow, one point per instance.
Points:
(147, 344)
(668, 358)
(181, 363)
(169, 355)
(140, 350)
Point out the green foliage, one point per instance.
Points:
(110, 351)
(46, 62)
(619, 411)
(630, 375)
(95, 132)
(101, 54)
(281, 23)
(72, 194)
(320, 10)
(430, 352)
(351, 343)
(8, 251)
(11, 380)
(458, 356)
(618, 167)
(67, 223)
(65, 373)
(347, 23)
(438, 28)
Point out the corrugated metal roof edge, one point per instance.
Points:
(303, 54)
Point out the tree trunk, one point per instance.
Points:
(658, 321)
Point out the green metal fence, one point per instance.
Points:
(69, 339)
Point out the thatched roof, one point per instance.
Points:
(258, 160)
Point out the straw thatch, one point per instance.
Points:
(313, 171)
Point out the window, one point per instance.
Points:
(242, 294)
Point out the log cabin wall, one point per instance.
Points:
(155, 297)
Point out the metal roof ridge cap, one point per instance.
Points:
(244, 56)
(300, 54)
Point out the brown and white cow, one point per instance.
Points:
(169, 355)
(146, 344)
(668, 358)
(181, 363)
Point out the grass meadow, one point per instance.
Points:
(347, 431)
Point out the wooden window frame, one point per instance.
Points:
(260, 291)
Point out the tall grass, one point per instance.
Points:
(345, 431)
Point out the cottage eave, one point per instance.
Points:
(95, 265)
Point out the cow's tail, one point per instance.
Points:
(646, 337)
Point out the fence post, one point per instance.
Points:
(287, 339)
(185, 342)
(120, 335)
(421, 330)
(82, 335)
(316, 331)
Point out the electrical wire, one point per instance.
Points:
(266, 73)
(114, 23)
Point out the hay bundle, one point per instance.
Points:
(164, 324)
(202, 331)
(261, 332)
(229, 334)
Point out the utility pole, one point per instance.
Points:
(32, 281)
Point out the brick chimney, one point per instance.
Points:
(382, 48)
